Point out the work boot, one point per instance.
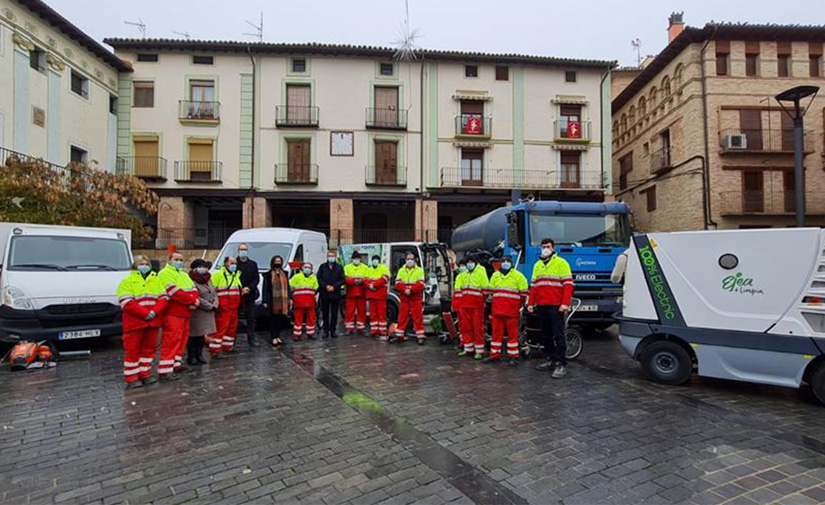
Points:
(199, 359)
(252, 341)
(217, 356)
(333, 335)
(547, 366)
(170, 377)
(478, 357)
(134, 385)
(464, 354)
(422, 340)
(490, 360)
(513, 362)
(149, 380)
(559, 372)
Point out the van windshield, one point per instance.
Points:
(612, 230)
(68, 253)
(260, 252)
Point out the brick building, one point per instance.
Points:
(698, 139)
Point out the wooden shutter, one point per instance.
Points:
(386, 106)
(650, 193)
(787, 132)
(298, 101)
(502, 73)
(750, 122)
(200, 156)
(472, 107)
(789, 193)
(144, 94)
(722, 52)
(145, 162)
(571, 110)
(753, 196)
(751, 64)
(298, 158)
(570, 170)
(386, 162)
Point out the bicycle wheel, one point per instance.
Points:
(575, 343)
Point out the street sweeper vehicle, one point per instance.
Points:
(746, 305)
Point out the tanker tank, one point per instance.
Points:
(482, 233)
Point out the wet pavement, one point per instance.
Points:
(360, 422)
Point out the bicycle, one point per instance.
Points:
(574, 338)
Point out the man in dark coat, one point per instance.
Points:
(250, 276)
(330, 281)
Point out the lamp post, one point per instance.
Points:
(794, 96)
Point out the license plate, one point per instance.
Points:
(69, 335)
(588, 308)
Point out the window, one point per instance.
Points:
(203, 60)
(80, 84)
(78, 155)
(722, 54)
(570, 121)
(387, 69)
(299, 253)
(146, 162)
(470, 70)
(751, 60)
(147, 57)
(625, 167)
(570, 169)
(112, 104)
(570, 76)
(386, 163)
(201, 103)
(201, 160)
(299, 154)
(789, 190)
(750, 123)
(472, 167)
(144, 94)
(646, 148)
(650, 193)
(299, 65)
(298, 103)
(783, 59)
(815, 58)
(502, 73)
(472, 122)
(753, 196)
(37, 60)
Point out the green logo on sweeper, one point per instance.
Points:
(657, 282)
(738, 283)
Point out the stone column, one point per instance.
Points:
(176, 223)
(426, 221)
(257, 213)
(341, 222)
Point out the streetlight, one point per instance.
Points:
(795, 96)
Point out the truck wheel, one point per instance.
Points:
(818, 383)
(392, 313)
(667, 363)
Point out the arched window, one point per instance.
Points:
(677, 76)
(653, 97)
(632, 115)
(666, 87)
(615, 128)
(623, 124)
(642, 107)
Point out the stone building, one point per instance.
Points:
(698, 139)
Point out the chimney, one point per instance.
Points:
(675, 26)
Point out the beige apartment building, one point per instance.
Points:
(58, 88)
(699, 142)
(350, 140)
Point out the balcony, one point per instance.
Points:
(660, 161)
(457, 177)
(151, 168)
(386, 176)
(768, 203)
(207, 113)
(198, 171)
(761, 141)
(296, 174)
(571, 131)
(296, 116)
(387, 119)
(473, 126)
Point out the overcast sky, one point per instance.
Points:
(592, 29)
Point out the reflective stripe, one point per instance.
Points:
(125, 297)
(507, 295)
(131, 372)
(131, 363)
(146, 360)
(166, 362)
(495, 344)
(164, 371)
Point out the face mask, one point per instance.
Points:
(243, 254)
(177, 264)
(410, 263)
(144, 269)
(277, 264)
(546, 252)
(307, 272)
(356, 261)
(374, 263)
(201, 271)
(506, 266)
(331, 259)
(462, 269)
(232, 268)
(471, 266)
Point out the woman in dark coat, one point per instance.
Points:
(203, 318)
(275, 298)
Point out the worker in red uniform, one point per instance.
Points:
(304, 287)
(356, 301)
(183, 300)
(409, 282)
(458, 305)
(474, 293)
(143, 300)
(509, 291)
(227, 283)
(376, 283)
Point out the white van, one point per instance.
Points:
(291, 244)
(60, 282)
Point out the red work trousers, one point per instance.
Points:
(410, 310)
(356, 314)
(465, 327)
(139, 347)
(304, 315)
(474, 317)
(226, 322)
(500, 325)
(172, 343)
(378, 316)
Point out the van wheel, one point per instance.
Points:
(667, 363)
(818, 383)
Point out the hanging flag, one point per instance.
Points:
(473, 126)
(573, 130)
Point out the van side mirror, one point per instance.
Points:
(513, 232)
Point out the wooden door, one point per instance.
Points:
(386, 162)
(787, 132)
(200, 160)
(570, 169)
(386, 106)
(145, 162)
(753, 194)
(472, 169)
(298, 156)
(750, 123)
(298, 102)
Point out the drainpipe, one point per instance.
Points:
(252, 154)
(601, 125)
(706, 164)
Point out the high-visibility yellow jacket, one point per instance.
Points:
(303, 290)
(228, 286)
(138, 296)
(509, 292)
(412, 279)
(180, 289)
(378, 277)
(458, 291)
(475, 287)
(354, 273)
(552, 282)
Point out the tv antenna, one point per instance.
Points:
(637, 46)
(141, 26)
(405, 42)
(259, 29)
(183, 34)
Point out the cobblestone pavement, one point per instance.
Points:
(359, 422)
